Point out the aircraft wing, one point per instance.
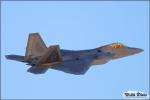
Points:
(75, 66)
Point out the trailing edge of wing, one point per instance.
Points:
(76, 67)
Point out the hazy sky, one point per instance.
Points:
(75, 25)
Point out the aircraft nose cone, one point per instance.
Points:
(137, 50)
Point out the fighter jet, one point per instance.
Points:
(42, 58)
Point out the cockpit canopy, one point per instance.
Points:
(117, 45)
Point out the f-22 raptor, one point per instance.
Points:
(75, 62)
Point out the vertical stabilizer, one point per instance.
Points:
(35, 46)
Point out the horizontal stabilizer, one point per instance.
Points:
(15, 57)
(37, 70)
